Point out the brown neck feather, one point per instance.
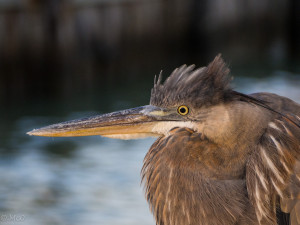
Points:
(179, 193)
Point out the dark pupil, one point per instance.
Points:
(182, 110)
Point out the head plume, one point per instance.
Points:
(204, 86)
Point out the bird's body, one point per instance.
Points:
(208, 176)
(222, 157)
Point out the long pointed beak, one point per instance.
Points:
(126, 124)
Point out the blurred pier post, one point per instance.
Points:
(62, 47)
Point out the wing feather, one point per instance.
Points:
(272, 171)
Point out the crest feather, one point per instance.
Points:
(187, 85)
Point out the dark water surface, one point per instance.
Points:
(85, 180)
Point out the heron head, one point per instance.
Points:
(187, 98)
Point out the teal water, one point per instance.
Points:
(86, 180)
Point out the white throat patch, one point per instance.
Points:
(163, 128)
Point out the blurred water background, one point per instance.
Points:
(61, 60)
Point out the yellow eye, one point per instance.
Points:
(183, 110)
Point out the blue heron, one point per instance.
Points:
(221, 156)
